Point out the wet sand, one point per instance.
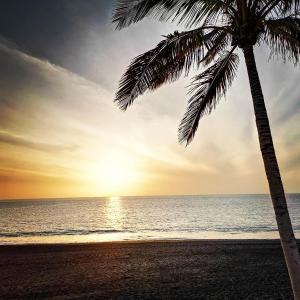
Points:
(239, 269)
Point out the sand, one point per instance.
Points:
(145, 270)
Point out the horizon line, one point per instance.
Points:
(136, 196)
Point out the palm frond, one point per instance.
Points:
(278, 8)
(178, 52)
(218, 44)
(128, 12)
(188, 12)
(283, 37)
(193, 12)
(208, 88)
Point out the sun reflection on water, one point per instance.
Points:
(114, 213)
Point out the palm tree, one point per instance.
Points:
(215, 29)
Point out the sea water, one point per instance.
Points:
(142, 218)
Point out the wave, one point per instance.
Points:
(217, 229)
(58, 232)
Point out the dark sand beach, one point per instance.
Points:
(237, 269)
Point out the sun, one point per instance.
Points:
(115, 172)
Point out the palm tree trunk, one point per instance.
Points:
(288, 241)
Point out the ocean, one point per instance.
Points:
(142, 218)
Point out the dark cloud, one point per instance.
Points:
(56, 30)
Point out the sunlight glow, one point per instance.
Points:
(114, 172)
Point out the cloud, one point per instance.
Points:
(15, 140)
(62, 27)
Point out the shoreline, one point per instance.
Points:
(257, 241)
(164, 269)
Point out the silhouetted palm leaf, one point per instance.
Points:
(279, 7)
(283, 37)
(218, 43)
(189, 12)
(209, 86)
(165, 63)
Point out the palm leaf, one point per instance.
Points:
(208, 88)
(283, 37)
(278, 8)
(193, 12)
(189, 12)
(178, 52)
(128, 12)
(218, 43)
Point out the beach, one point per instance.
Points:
(199, 269)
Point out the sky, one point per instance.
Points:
(61, 134)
